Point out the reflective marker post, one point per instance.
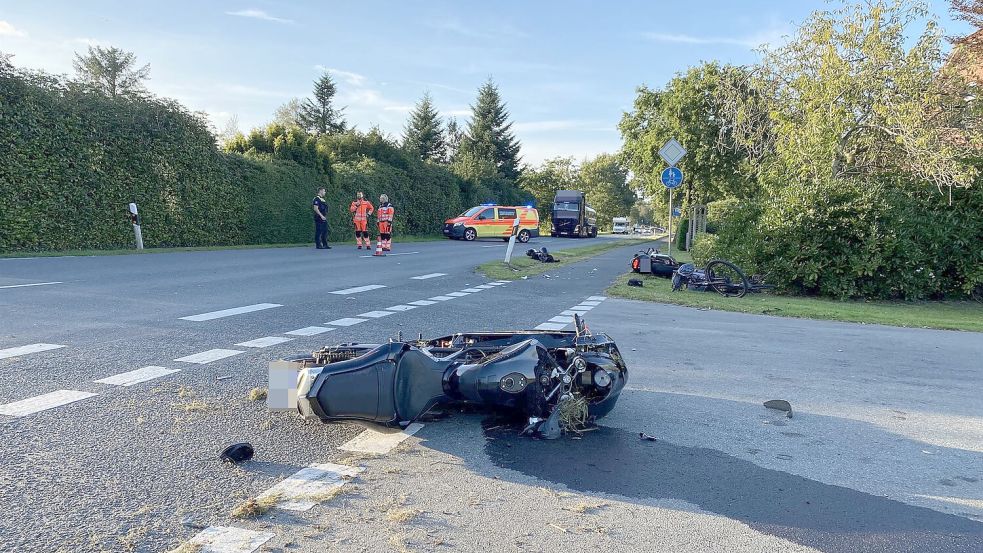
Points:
(515, 231)
(135, 219)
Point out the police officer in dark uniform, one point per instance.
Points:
(320, 221)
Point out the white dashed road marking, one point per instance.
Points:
(209, 356)
(309, 331)
(358, 289)
(376, 314)
(457, 294)
(562, 319)
(347, 321)
(551, 326)
(230, 312)
(137, 376)
(472, 290)
(590, 303)
(379, 443)
(24, 350)
(295, 493)
(264, 342)
(571, 312)
(228, 539)
(391, 254)
(442, 298)
(28, 285)
(401, 307)
(484, 286)
(422, 302)
(430, 275)
(581, 308)
(597, 298)
(43, 402)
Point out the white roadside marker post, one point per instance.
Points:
(515, 231)
(135, 219)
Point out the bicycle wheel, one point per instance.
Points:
(724, 277)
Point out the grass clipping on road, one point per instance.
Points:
(953, 315)
(524, 266)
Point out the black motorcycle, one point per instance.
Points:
(562, 380)
(652, 261)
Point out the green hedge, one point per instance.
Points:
(71, 161)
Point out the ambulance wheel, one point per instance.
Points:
(470, 234)
(523, 236)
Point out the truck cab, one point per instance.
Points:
(571, 216)
(620, 225)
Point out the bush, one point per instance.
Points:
(705, 248)
(681, 231)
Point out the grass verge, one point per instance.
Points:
(132, 251)
(523, 266)
(945, 315)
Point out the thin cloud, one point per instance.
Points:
(260, 14)
(7, 29)
(457, 27)
(773, 36)
(349, 77)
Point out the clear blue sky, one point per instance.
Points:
(567, 69)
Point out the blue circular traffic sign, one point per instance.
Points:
(672, 177)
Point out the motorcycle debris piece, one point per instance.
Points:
(237, 453)
(635, 282)
(646, 437)
(781, 405)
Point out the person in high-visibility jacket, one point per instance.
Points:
(385, 217)
(361, 209)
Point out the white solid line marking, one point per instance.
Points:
(264, 342)
(430, 275)
(484, 287)
(597, 298)
(24, 350)
(401, 307)
(422, 302)
(209, 356)
(358, 289)
(137, 376)
(379, 443)
(472, 290)
(376, 314)
(551, 326)
(347, 321)
(230, 312)
(27, 285)
(442, 298)
(36, 404)
(590, 303)
(457, 294)
(309, 331)
(295, 492)
(228, 539)
(391, 254)
(562, 319)
(496, 246)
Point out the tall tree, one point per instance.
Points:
(454, 137)
(605, 182)
(288, 114)
(111, 71)
(424, 132)
(318, 114)
(490, 134)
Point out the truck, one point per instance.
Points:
(571, 216)
(620, 225)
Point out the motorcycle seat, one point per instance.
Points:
(418, 384)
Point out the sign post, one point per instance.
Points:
(135, 219)
(515, 231)
(672, 151)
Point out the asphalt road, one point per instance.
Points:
(884, 452)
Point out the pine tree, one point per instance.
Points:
(454, 137)
(317, 114)
(424, 133)
(489, 132)
(111, 71)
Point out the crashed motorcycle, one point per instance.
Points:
(557, 380)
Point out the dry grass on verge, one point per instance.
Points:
(402, 515)
(255, 507)
(257, 394)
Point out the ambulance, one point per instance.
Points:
(493, 221)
